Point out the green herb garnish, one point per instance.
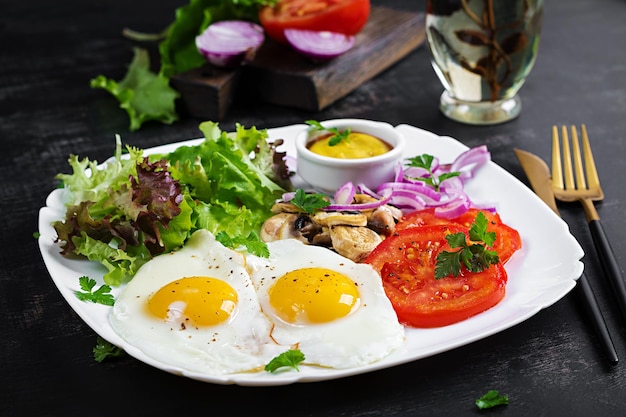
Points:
(99, 296)
(252, 243)
(425, 161)
(309, 203)
(338, 135)
(105, 349)
(491, 399)
(290, 358)
(475, 256)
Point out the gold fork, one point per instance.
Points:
(583, 184)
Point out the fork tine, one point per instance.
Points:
(590, 165)
(567, 161)
(557, 172)
(578, 162)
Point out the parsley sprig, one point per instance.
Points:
(474, 256)
(290, 358)
(491, 399)
(338, 135)
(105, 349)
(99, 296)
(425, 161)
(309, 203)
(252, 243)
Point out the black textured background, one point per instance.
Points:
(549, 365)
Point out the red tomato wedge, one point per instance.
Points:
(406, 262)
(340, 16)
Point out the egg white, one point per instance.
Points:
(243, 344)
(366, 335)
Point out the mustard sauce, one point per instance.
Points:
(358, 145)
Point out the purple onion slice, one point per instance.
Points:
(230, 43)
(319, 45)
(409, 194)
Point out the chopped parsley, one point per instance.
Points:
(290, 358)
(99, 296)
(425, 161)
(474, 256)
(491, 399)
(338, 135)
(105, 349)
(309, 203)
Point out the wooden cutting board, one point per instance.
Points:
(280, 76)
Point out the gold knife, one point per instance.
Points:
(539, 177)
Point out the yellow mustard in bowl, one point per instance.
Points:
(356, 146)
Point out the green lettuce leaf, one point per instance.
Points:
(120, 264)
(228, 177)
(143, 94)
(88, 183)
(135, 208)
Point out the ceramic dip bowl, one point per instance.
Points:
(335, 164)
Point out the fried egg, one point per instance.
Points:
(196, 309)
(331, 308)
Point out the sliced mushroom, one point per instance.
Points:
(306, 227)
(335, 218)
(282, 207)
(289, 226)
(274, 227)
(383, 219)
(354, 243)
(364, 198)
(322, 238)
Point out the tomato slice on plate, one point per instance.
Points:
(340, 16)
(508, 240)
(406, 262)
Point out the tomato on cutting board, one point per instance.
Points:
(340, 16)
(406, 262)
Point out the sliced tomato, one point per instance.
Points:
(406, 262)
(427, 217)
(340, 16)
(508, 240)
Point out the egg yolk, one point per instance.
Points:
(357, 146)
(313, 295)
(203, 301)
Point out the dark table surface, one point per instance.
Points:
(550, 364)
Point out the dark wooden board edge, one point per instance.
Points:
(207, 92)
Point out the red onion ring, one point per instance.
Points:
(469, 161)
(455, 208)
(345, 194)
(418, 188)
(358, 206)
(229, 43)
(408, 193)
(319, 45)
(287, 197)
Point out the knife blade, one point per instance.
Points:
(539, 176)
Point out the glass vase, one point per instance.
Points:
(482, 52)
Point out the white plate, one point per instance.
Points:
(540, 274)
